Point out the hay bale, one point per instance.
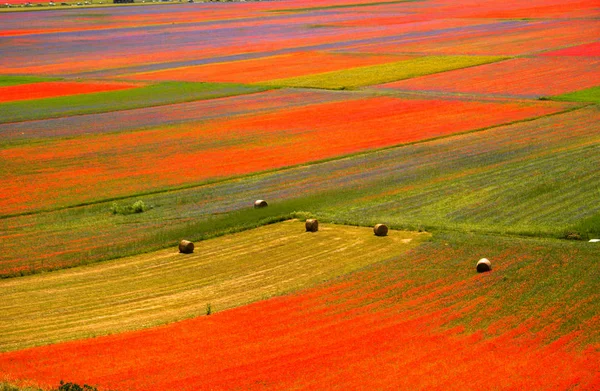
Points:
(312, 225)
(594, 240)
(484, 265)
(186, 247)
(380, 230)
(260, 204)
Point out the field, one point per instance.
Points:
(469, 128)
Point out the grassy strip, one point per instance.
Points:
(10, 80)
(350, 5)
(151, 95)
(588, 95)
(4, 386)
(383, 73)
(166, 286)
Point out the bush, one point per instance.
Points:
(137, 207)
(75, 387)
(573, 236)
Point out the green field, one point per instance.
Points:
(102, 102)
(382, 73)
(166, 286)
(6, 80)
(588, 95)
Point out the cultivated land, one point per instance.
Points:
(166, 286)
(470, 129)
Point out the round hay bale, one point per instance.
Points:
(312, 225)
(186, 247)
(380, 230)
(260, 204)
(484, 265)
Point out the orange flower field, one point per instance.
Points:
(56, 88)
(376, 330)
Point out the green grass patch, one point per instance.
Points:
(588, 95)
(382, 73)
(9, 80)
(151, 95)
(166, 286)
(337, 6)
(5, 386)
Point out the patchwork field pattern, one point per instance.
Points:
(75, 171)
(462, 183)
(397, 324)
(472, 123)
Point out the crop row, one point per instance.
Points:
(56, 88)
(520, 77)
(266, 68)
(383, 73)
(506, 38)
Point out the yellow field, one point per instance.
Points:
(383, 73)
(166, 286)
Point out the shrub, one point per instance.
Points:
(75, 387)
(137, 207)
(573, 236)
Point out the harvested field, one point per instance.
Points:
(166, 286)
(470, 128)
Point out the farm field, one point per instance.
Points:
(166, 286)
(68, 172)
(470, 128)
(403, 320)
(463, 183)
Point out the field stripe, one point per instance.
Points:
(102, 102)
(385, 73)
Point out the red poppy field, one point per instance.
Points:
(56, 88)
(396, 325)
(472, 126)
